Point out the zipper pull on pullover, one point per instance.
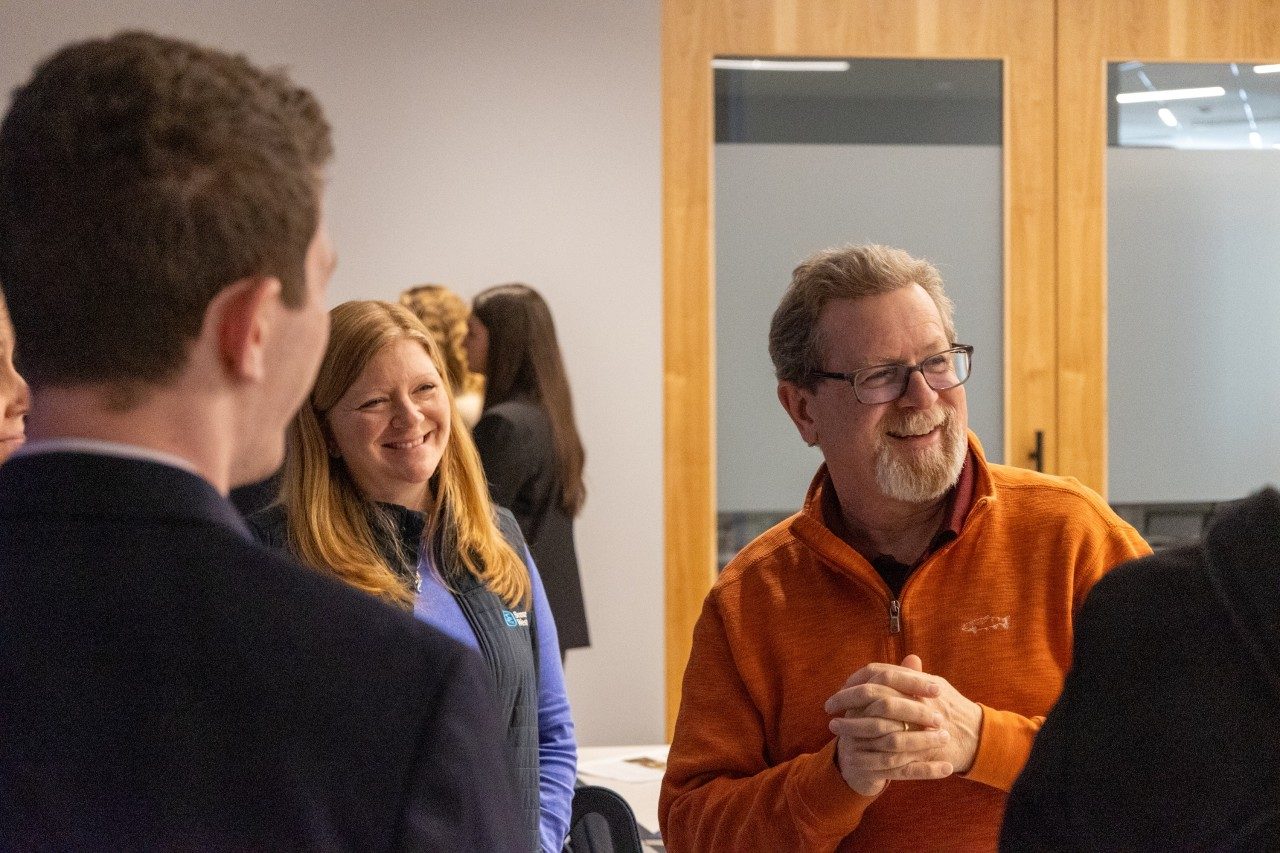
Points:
(895, 617)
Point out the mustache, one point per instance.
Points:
(917, 423)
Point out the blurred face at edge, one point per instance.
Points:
(15, 396)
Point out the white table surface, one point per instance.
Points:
(642, 796)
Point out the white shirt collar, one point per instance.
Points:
(105, 448)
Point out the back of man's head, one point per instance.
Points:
(139, 176)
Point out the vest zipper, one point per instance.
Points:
(895, 617)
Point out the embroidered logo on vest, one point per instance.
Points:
(986, 623)
(516, 618)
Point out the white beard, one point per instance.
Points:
(926, 476)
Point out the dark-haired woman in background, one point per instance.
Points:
(533, 457)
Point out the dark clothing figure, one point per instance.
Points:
(256, 497)
(167, 683)
(515, 443)
(1165, 737)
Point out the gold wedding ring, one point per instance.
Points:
(906, 727)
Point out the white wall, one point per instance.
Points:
(481, 141)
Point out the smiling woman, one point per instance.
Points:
(392, 425)
(382, 488)
(15, 398)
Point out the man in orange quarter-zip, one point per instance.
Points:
(870, 673)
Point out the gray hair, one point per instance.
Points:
(850, 272)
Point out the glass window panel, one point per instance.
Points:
(1192, 296)
(1194, 106)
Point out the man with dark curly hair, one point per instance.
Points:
(165, 682)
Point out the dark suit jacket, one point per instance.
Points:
(1167, 734)
(167, 683)
(255, 497)
(519, 454)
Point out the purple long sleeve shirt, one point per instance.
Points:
(557, 749)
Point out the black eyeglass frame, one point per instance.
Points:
(852, 378)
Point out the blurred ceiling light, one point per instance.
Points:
(1266, 69)
(1255, 139)
(1166, 116)
(1170, 95)
(780, 64)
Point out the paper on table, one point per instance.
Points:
(637, 767)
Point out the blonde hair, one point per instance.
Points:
(328, 518)
(444, 315)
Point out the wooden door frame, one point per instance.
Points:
(1020, 33)
(1091, 34)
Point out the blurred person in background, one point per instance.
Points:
(382, 488)
(15, 397)
(444, 313)
(528, 441)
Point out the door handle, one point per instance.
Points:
(1037, 455)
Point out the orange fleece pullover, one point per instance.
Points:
(752, 763)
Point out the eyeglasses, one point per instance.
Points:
(884, 383)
